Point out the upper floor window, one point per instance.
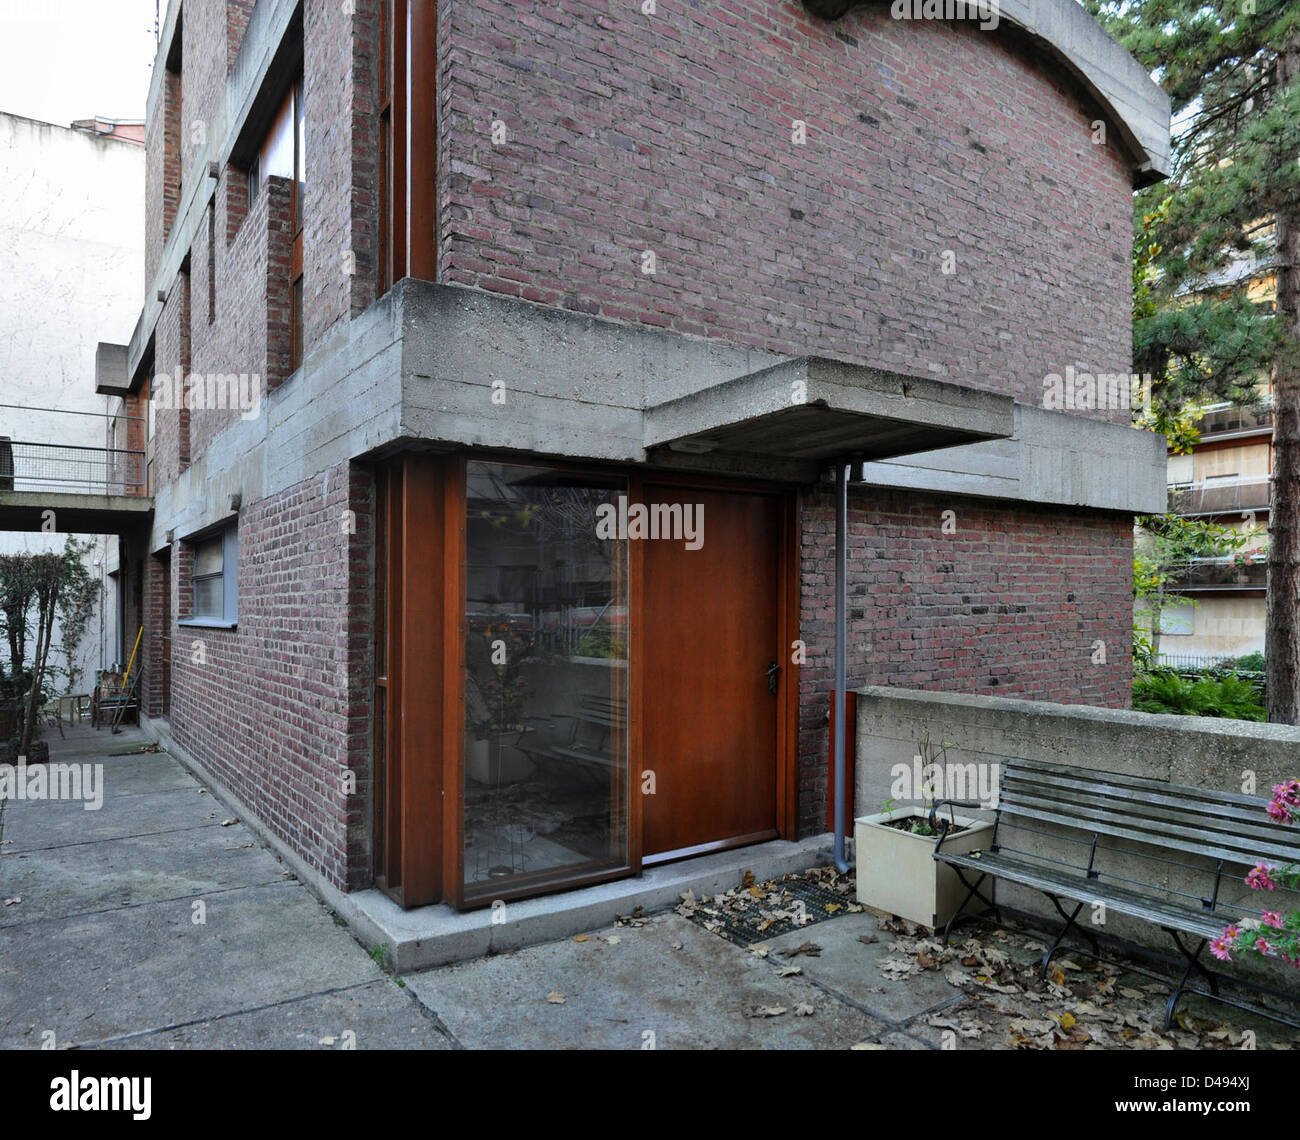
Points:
(283, 154)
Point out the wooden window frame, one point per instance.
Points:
(406, 112)
(420, 668)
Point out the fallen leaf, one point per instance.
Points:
(925, 961)
(555, 997)
(327, 1040)
(582, 938)
(1066, 1020)
(809, 948)
(867, 1045)
(14, 901)
(748, 879)
(1058, 975)
(765, 1011)
(229, 822)
(803, 1009)
(831, 908)
(789, 971)
(612, 939)
(760, 951)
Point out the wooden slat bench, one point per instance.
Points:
(1120, 825)
(597, 715)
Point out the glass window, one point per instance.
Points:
(546, 679)
(214, 576)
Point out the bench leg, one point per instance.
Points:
(1070, 924)
(972, 891)
(1193, 963)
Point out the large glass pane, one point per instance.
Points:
(546, 679)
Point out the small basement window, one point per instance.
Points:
(214, 579)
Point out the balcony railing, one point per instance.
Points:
(1222, 419)
(69, 468)
(1219, 498)
(1231, 572)
(37, 463)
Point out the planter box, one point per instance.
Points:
(897, 871)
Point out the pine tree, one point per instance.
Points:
(1226, 222)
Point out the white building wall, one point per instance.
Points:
(71, 275)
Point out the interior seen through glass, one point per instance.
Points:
(546, 679)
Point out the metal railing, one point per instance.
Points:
(1220, 419)
(1207, 498)
(26, 466)
(1226, 573)
(39, 464)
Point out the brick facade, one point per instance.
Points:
(673, 133)
(1013, 603)
(669, 133)
(278, 709)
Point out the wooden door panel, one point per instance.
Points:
(711, 630)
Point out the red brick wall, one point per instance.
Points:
(172, 344)
(672, 133)
(278, 709)
(1009, 605)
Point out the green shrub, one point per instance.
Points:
(1226, 696)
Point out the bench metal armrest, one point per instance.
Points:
(934, 811)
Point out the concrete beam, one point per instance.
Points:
(112, 376)
(1051, 457)
(74, 513)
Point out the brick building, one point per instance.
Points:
(495, 496)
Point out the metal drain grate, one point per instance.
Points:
(745, 920)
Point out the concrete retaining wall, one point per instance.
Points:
(986, 731)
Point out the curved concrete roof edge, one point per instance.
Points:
(1137, 105)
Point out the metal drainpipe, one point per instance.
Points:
(841, 640)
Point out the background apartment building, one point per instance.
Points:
(501, 268)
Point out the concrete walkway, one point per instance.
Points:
(160, 922)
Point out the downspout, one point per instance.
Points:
(841, 652)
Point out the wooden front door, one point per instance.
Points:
(711, 634)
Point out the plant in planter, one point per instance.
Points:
(1272, 935)
(894, 848)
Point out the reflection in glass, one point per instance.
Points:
(546, 679)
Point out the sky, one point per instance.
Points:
(62, 60)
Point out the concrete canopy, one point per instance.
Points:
(816, 410)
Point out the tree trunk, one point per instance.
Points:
(48, 599)
(1282, 635)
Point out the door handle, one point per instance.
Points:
(773, 669)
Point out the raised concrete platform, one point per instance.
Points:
(436, 935)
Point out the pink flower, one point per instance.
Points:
(1288, 793)
(1278, 811)
(1264, 946)
(1221, 947)
(1259, 878)
(1271, 918)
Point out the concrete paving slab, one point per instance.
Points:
(95, 976)
(87, 877)
(378, 1015)
(62, 823)
(617, 993)
(851, 968)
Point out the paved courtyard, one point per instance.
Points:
(160, 921)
